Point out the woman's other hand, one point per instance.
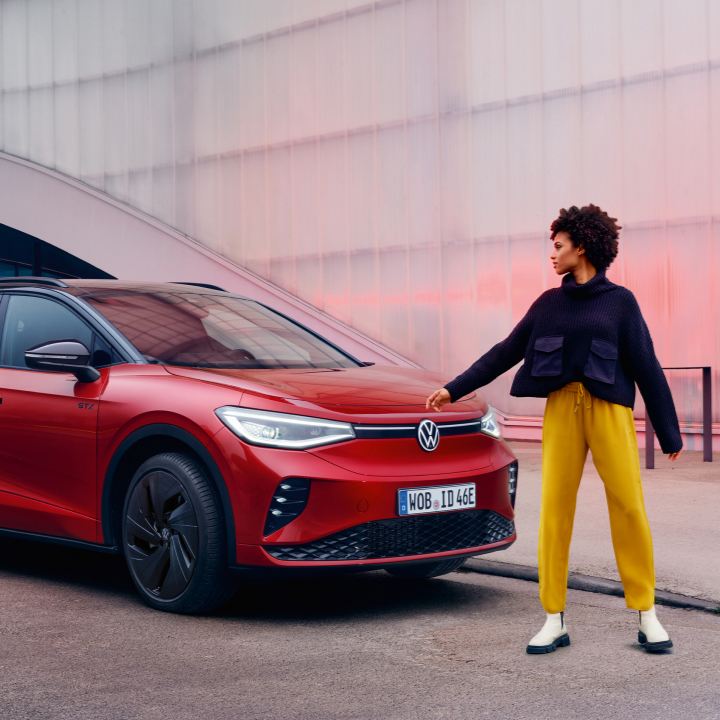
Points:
(674, 456)
(437, 400)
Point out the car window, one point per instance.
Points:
(103, 354)
(203, 330)
(31, 321)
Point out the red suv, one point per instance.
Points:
(200, 433)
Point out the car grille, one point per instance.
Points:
(398, 537)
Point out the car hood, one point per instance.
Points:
(375, 388)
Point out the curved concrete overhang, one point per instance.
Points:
(132, 245)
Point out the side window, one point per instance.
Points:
(31, 321)
(102, 354)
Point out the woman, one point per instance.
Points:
(585, 344)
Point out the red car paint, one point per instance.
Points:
(60, 441)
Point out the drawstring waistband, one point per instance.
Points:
(581, 394)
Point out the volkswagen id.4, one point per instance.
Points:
(202, 434)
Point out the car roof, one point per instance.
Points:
(139, 286)
(70, 284)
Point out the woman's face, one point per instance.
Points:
(565, 257)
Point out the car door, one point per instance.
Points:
(48, 425)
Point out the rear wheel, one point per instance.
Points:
(174, 536)
(431, 569)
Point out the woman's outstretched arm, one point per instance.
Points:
(499, 359)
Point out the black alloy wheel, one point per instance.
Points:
(422, 570)
(174, 536)
(161, 535)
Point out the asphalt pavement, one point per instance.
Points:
(76, 644)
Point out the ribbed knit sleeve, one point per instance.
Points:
(639, 355)
(499, 359)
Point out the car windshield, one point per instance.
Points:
(211, 331)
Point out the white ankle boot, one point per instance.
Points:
(652, 635)
(552, 635)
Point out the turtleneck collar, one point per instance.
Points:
(597, 284)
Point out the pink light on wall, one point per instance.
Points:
(398, 164)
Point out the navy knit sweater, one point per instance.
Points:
(594, 333)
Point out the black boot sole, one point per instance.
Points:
(562, 641)
(653, 647)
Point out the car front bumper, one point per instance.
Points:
(351, 518)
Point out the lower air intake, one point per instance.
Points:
(398, 537)
(289, 500)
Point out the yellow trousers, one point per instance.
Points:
(574, 421)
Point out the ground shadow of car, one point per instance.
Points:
(308, 599)
(82, 568)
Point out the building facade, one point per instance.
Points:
(395, 164)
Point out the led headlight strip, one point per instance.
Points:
(282, 430)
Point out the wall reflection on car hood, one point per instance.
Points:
(372, 386)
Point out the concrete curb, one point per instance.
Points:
(588, 583)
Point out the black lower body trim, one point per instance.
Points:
(55, 540)
(404, 536)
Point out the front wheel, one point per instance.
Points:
(427, 569)
(174, 536)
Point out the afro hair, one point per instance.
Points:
(590, 228)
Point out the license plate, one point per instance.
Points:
(439, 498)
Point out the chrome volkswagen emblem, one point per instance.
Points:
(428, 435)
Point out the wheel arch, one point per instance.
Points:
(138, 447)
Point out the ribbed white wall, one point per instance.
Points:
(78, 219)
(397, 163)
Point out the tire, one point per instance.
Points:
(427, 569)
(173, 536)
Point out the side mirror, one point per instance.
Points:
(63, 356)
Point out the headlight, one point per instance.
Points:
(489, 424)
(296, 432)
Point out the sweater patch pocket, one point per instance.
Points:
(602, 361)
(547, 356)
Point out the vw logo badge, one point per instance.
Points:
(428, 435)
